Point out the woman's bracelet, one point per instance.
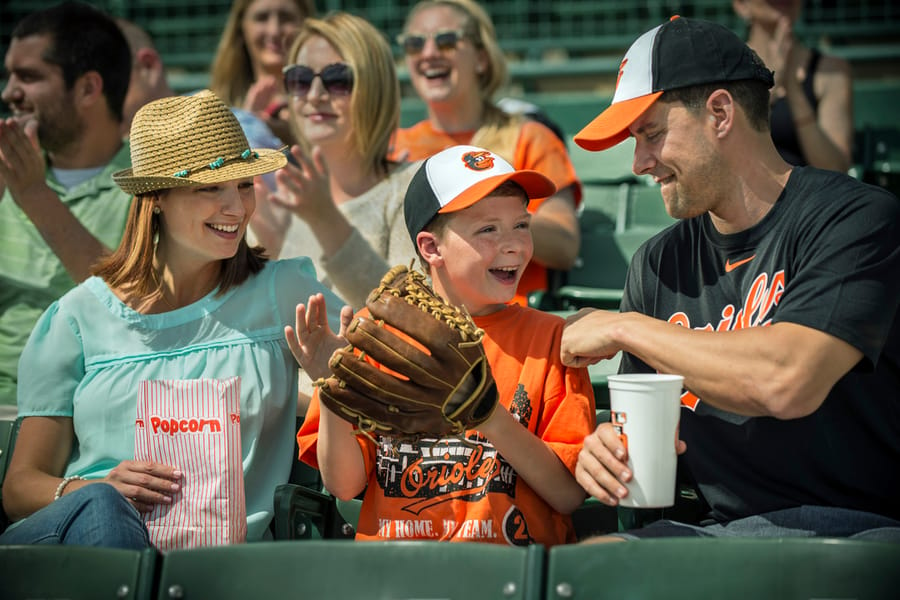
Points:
(62, 485)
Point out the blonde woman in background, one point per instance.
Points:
(456, 65)
(346, 196)
(246, 70)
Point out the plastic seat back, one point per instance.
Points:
(76, 572)
(692, 568)
(351, 570)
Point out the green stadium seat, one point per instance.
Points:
(349, 512)
(76, 572)
(691, 568)
(304, 510)
(875, 103)
(609, 166)
(9, 428)
(571, 110)
(340, 570)
(608, 241)
(597, 278)
(303, 513)
(879, 157)
(689, 507)
(599, 373)
(601, 204)
(594, 518)
(644, 210)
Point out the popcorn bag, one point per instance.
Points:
(194, 425)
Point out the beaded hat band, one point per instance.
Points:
(190, 140)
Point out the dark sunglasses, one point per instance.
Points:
(444, 40)
(337, 79)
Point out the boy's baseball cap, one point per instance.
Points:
(679, 53)
(458, 177)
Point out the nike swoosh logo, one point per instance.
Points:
(731, 266)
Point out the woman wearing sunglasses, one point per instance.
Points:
(456, 66)
(246, 70)
(345, 195)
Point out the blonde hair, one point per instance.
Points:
(231, 73)
(499, 131)
(375, 99)
(479, 28)
(129, 267)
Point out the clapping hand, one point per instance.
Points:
(262, 93)
(304, 188)
(21, 160)
(789, 72)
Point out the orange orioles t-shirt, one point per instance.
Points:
(537, 148)
(462, 489)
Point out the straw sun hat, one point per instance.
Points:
(190, 140)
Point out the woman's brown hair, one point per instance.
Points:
(129, 268)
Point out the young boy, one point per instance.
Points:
(511, 481)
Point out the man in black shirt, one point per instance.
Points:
(775, 296)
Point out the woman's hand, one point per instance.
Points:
(270, 221)
(261, 94)
(145, 484)
(790, 72)
(304, 188)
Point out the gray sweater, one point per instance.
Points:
(378, 242)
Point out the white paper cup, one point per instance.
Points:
(645, 411)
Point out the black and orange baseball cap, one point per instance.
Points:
(679, 53)
(460, 176)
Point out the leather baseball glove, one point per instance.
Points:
(432, 377)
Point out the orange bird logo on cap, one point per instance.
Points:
(478, 161)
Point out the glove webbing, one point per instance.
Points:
(416, 291)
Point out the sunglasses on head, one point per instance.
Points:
(414, 43)
(337, 79)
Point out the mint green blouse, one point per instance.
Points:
(89, 352)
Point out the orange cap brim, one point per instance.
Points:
(535, 184)
(611, 126)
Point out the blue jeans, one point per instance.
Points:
(802, 521)
(93, 515)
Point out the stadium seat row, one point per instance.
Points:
(670, 568)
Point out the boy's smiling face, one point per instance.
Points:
(478, 257)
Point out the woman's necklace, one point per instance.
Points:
(160, 289)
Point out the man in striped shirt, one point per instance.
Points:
(68, 70)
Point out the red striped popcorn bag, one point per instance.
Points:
(194, 425)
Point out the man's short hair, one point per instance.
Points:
(83, 39)
(750, 94)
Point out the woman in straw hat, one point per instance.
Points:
(183, 297)
(345, 196)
